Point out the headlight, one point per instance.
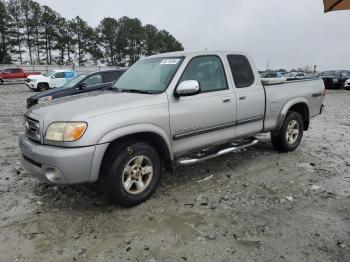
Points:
(44, 99)
(65, 131)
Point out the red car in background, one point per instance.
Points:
(10, 75)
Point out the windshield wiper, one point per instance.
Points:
(136, 91)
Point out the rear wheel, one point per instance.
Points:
(131, 173)
(42, 87)
(1, 81)
(288, 138)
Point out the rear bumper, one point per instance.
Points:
(58, 165)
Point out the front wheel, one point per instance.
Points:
(131, 173)
(42, 87)
(1, 82)
(288, 138)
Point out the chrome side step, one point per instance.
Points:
(203, 156)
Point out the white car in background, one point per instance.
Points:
(51, 79)
(295, 75)
(347, 84)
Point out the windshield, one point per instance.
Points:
(290, 75)
(329, 73)
(49, 73)
(74, 81)
(152, 75)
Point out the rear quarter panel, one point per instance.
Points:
(281, 97)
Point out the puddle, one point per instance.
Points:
(180, 223)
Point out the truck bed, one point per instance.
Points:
(279, 95)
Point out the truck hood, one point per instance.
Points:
(83, 106)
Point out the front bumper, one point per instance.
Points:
(31, 85)
(59, 165)
(321, 110)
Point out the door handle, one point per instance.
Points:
(226, 100)
(243, 97)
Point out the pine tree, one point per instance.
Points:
(4, 34)
(16, 29)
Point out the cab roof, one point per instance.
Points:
(197, 53)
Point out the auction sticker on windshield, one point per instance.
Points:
(169, 61)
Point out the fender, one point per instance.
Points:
(287, 107)
(134, 129)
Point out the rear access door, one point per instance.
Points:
(250, 97)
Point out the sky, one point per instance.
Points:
(282, 33)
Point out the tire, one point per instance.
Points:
(123, 169)
(42, 87)
(1, 82)
(284, 140)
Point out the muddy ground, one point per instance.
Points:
(255, 205)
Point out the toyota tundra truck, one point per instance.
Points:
(167, 110)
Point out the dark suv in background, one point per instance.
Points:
(335, 79)
(80, 84)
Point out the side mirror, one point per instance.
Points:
(53, 77)
(187, 88)
(82, 86)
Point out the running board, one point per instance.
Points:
(205, 155)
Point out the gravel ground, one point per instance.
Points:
(255, 205)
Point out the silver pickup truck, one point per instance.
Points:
(166, 110)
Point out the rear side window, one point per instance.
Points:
(208, 71)
(69, 74)
(109, 77)
(242, 72)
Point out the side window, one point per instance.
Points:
(242, 72)
(69, 74)
(16, 70)
(93, 80)
(59, 75)
(109, 77)
(208, 71)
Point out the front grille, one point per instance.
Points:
(328, 80)
(33, 129)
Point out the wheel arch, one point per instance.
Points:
(151, 134)
(299, 105)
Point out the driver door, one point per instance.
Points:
(207, 118)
